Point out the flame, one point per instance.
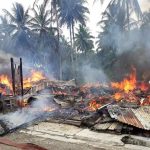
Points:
(128, 84)
(93, 105)
(4, 79)
(143, 86)
(35, 76)
(117, 96)
(6, 82)
(128, 87)
(22, 102)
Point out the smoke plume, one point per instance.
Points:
(91, 74)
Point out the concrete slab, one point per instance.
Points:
(55, 128)
(134, 147)
(71, 134)
(53, 136)
(109, 139)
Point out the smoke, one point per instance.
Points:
(131, 46)
(5, 62)
(133, 50)
(91, 74)
(28, 65)
(28, 114)
(128, 41)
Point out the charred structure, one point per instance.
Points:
(70, 82)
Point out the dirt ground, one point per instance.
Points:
(47, 143)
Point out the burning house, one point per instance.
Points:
(119, 105)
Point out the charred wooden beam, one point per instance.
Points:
(13, 75)
(21, 76)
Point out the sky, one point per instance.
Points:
(95, 10)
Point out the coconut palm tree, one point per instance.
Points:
(18, 18)
(40, 24)
(72, 12)
(45, 35)
(16, 26)
(84, 40)
(55, 4)
(4, 34)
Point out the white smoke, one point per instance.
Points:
(5, 62)
(91, 74)
(28, 114)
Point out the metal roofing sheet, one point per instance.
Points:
(139, 117)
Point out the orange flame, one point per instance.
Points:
(128, 84)
(4, 80)
(35, 76)
(143, 86)
(117, 96)
(93, 105)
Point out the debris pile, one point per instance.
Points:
(118, 107)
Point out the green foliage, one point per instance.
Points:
(71, 12)
(84, 40)
(38, 37)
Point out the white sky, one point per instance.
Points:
(95, 10)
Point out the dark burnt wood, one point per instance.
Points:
(13, 75)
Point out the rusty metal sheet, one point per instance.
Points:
(143, 115)
(139, 117)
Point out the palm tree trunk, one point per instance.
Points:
(72, 62)
(73, 37)
(75, 63)
(55, 11)
(128, 19)
(51, 14)
(59, 50)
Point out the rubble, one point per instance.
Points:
(116, 107)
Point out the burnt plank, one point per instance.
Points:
(103, 126)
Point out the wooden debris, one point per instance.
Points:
(103, 126)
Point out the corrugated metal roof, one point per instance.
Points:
(139, 117)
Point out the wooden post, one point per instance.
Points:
(21, 77)
(13, 75)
